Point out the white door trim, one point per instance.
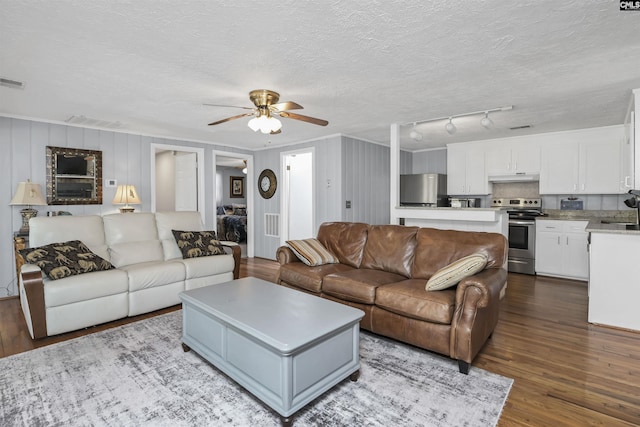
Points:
(200, 156)
(284, 196)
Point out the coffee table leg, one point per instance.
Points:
(354, 377)
(185, 347)
(286, 421)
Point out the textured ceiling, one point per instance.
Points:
(361, 65)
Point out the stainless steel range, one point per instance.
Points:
(522, 232)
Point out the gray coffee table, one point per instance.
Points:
(284, 346)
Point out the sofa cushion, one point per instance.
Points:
(358, 285)
(408, 298)
(132, 238)
(207, 266)
(44, 230)
(85, 287)
(153, 274)
(456, 271)
(439, 248)
(167, 221)
(390, 248)
(309, 278)
(345, 240)
(64, 259)
(312, 252)
(195, 244)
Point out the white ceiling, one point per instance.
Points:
(361, 65)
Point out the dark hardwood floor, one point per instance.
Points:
(567, 372)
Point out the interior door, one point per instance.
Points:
(298, 196)
(186, 177)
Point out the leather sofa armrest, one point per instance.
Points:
(237, 254)
(285, 255)
(488, 282)
(33, 285)
(476, 314)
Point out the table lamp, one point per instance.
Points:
(126, 194)
(28, 194)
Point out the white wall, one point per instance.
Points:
(165, 181)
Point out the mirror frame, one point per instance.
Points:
(52, 174)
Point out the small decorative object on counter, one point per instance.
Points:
(571, 204)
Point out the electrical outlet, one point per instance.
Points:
(348, 204)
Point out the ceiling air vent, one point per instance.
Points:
(520, 127)
(87, 121)
(13, 84)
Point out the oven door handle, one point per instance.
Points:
(521, 222)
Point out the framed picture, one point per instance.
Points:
(236, 188)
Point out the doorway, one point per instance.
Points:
(298, 196)
(177, 180)
(233, 198)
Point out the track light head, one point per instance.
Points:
(414, 134)
(486, 121)
(450, 127)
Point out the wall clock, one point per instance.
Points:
(267, 183)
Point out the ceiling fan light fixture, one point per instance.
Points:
(450, 127)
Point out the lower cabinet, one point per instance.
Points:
(561, 249)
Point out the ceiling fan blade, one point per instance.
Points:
(284, 106)
(230, 106)
(307, 119)
(231, 118)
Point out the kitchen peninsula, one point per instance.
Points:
(493, 220)
(613, 275)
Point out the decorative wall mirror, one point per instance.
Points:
(74, 176)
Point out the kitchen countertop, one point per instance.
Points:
(617, 225)
(595, 226)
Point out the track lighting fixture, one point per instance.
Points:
(414, 134)
(450, 127)
(486, 121)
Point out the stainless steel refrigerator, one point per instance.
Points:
(424, 189)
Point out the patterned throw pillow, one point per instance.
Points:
(194, 244)
(240, 211)
(65, 259)
(453, 273)
(311, 252)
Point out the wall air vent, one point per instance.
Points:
(13, 84)
(520, 127)
(87, 121)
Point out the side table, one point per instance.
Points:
(20, 241)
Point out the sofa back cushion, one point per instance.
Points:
(345, 240)
(89, 229)
(390, 248)
(438, 248)
(132, 238)
(167, 221)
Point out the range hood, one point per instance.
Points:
(517, 177)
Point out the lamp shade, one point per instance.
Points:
(28, 194)
(125, 195)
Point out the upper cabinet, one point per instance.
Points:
(583, 162)
(466, 170)
(507, 158)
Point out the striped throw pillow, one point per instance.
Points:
(456, 271)
(311, 252)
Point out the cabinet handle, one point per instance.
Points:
(515, 166)
(575, 187)
(582, 186)
(558, 239)
(567, 240)
(627, 182)
(509, 166)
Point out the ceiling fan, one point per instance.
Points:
(266, 107)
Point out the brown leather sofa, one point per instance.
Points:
(383, 271)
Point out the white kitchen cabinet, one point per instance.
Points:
(561, 249)
(613, 280)
(465, 170)
(582, 167)
(504, 158)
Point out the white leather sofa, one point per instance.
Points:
(149, 273)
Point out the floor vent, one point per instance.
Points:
(272, 225)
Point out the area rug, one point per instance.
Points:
(138, 375)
